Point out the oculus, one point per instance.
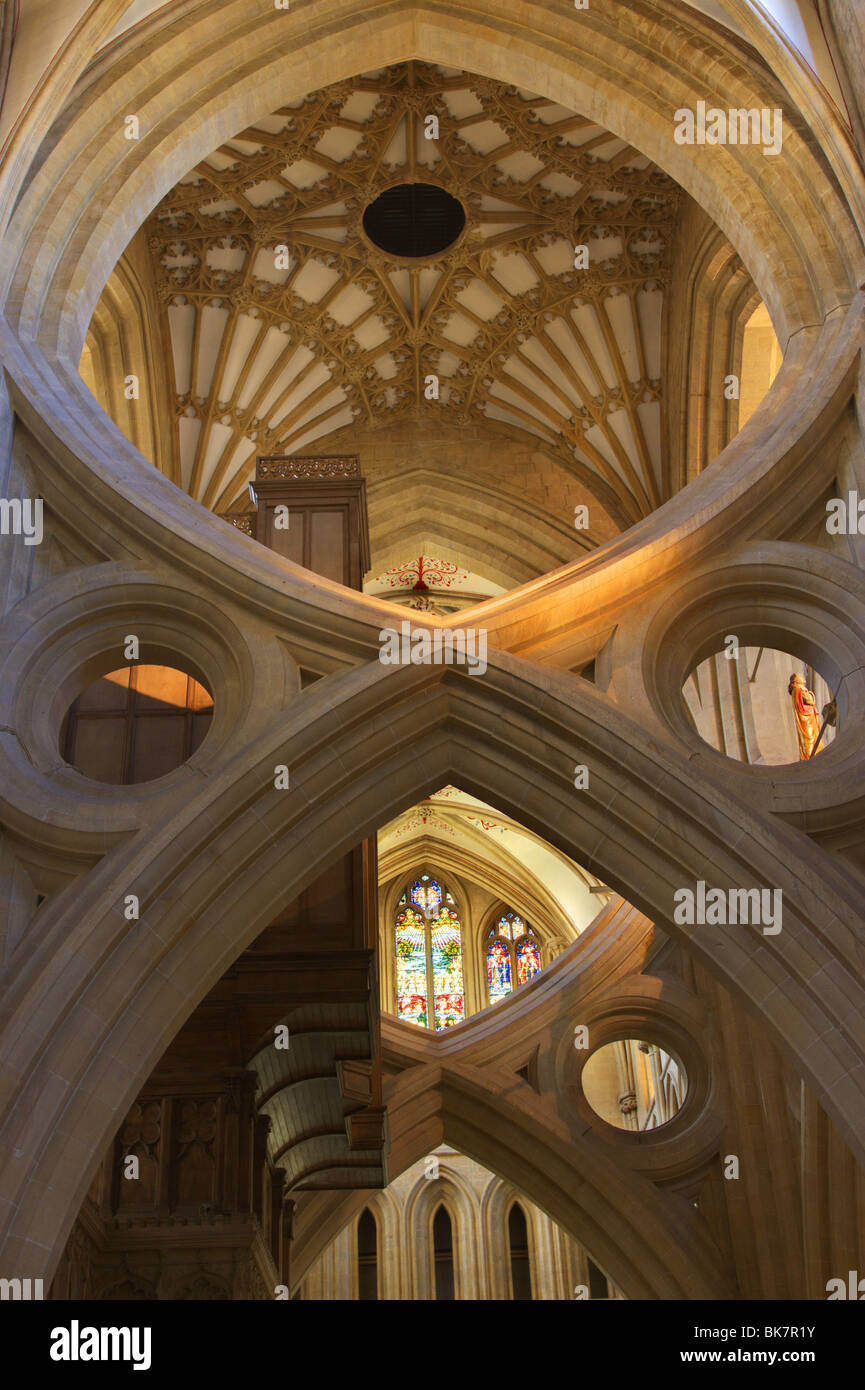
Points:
(634, 1084)
(136, 724)
(414, 220)
(777, 708)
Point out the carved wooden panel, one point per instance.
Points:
(141, 1136)
(194, 1169)
(312, 510)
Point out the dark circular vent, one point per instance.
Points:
(414, 219)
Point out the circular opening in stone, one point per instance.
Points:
(136, 724)
(634, 1084)
(761, 706)
(414, 220)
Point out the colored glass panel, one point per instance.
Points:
(426, 896)
(447, 964)
(528, 960)
(512, 926)
(411, 977)
(498, 970)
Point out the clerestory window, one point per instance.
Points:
(429, 961)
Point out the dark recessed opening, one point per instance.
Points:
(414, 219)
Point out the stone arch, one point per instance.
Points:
(422, 1202)
(708, 316)
(582, 64)
(502, 904)
(387, 1214)
(582, 61)
(496, 1204)
(72, 1066)
(646, 826)
(717, 498)
(484, 530)
(525, 891)
(604, 1190)
(121, 341)
(650, 1251)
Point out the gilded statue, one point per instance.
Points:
(806, 716)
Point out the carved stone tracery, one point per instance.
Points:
(266, 234)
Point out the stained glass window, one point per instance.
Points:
(513, 956)
(411, 967)
(447, 964)
(429, 966)
(426, 894)
(528, 960)
(498, 970)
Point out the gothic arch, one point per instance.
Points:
(552, 47)
(478, 528)
(366, 742)
(583, 62)
(651, 1253)
(489, 919)
(447, 1190)
(524, 891)
(646, 827)
(387, 1214)
(501, 906)
(496, 1205)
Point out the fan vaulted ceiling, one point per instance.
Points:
(275, 349)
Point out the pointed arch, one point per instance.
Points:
(520, 1254)
(444, 1281)
(366, 1235)
(447, 1191)
(618, 828)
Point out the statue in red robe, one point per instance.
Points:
(806, 716)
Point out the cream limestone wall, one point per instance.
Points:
(761, 360)
(478, 1204)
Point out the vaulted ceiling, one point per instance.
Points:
(274, 350)
(454, 830)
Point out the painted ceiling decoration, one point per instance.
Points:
(286, 322)
(422, 816)
(421, 573)
(428, 583)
